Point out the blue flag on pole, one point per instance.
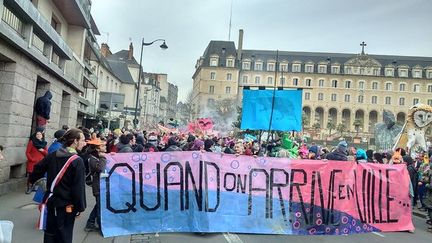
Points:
(287, 110)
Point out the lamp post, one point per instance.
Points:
(164, 47)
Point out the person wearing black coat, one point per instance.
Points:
(43, 109)
(68, 197)
(340, 153)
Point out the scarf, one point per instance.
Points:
(39, 144)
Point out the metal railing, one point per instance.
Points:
(12, 20)
(75, 70)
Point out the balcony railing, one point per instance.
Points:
(75, 70)
(12, 20)
(38, 43)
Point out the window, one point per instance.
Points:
(416, 88)
(283, 67)
(308, 82)
(347, 98)
(401, 101)
(415, 101)
(213, 62)
(295, 81)
(388, 86)
(361, 85)
(429, 74)
(347, 84)
(430, 88)
(321, 82)
(322, 69)
(229, 76)
(403, 73)
(320, 96)
(335, 70)
(227, 90)
(296, 67)
(270, 67)
(246, 65)
(282, 81)
(211, 89)
(362, 71)
(389, 72)
(212, 75)
(230, 63)
(375, 85)
(270, 80)
(309, 68)
(429, 102)
(258, 66)
(333, 97)
(374, 99)
(55, 24)
(401, 87)
(334, 83)
(376, 71)
(417, 74)
(348, 70)
(245, 79)
(360, 99)
(388, 100)
(307, 96)
(257, 79)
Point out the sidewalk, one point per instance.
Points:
(418, 213)
(19, 208)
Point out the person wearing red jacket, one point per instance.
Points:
(35, 152)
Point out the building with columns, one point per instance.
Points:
(45, 45)
(341, 88)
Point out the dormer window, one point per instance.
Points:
(258, 66)
(335, 70)
(389, 72)
(322, 69)
(296, 67)
(283, 67)
(348, 70)
(376, 71)
(214, 61)
(403, 73)
(309, 68)
(270, 66)
(417, 73)
(429, 74)
(246, 65)
(230, 62)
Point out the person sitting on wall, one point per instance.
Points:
(43, 109)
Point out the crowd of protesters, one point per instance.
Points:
(92, 144)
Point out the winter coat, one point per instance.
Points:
(427, 181)
(43, 105)
(96, 166)
(124, 148)
(173, 148)
(337, 155)
(71, 188)
(34, 156)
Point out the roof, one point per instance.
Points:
(223, 49)
(123, 55)
(121, 70)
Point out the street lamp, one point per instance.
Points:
(163, 47)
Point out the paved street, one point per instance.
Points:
(17, 207)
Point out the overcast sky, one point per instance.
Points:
(391, 27)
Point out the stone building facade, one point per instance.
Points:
(42, 48)
(340, 88)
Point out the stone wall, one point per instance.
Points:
(21, 82)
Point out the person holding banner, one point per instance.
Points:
(96, 162)
(65, 199)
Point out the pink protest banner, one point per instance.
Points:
(209, 192)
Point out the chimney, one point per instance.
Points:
(130, 53)
(240, 45)
(105, 50)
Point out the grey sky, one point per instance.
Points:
(392, 27)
